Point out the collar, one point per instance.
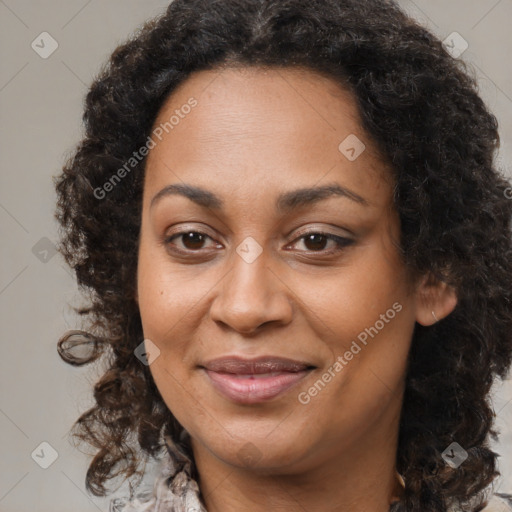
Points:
(175, 490)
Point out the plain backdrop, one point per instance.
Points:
(41, 108)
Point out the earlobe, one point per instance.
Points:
(435, 300)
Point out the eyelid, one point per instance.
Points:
(183, 230)
(341, 242)
(317, 229)
(324, 230)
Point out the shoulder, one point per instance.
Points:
(139, 503)
(499, 503)
(188, 500)
(180, 495)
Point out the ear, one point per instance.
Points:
(433, 295)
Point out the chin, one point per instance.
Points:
(258, 452)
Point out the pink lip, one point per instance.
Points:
(257, 365)
(250, 381)
(249, 389)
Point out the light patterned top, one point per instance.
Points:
(181, 494)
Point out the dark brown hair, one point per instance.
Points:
(422, 110)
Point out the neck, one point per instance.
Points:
(358, 476)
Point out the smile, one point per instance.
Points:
(254, 388)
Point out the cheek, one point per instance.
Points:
(165, 315)
(366, 317)
(369, 338)
(353, 298)
(166, 296)
(170, 309)
(163, 311)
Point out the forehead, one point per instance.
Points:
(253, 125)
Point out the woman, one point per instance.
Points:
(298, 248)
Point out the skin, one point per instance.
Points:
(254, 134)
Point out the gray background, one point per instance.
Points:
(41, 108)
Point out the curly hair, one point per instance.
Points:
(422, 109)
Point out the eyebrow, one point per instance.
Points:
(285, 203)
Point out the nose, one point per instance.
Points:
(251, 295)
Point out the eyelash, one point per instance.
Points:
(340, 242)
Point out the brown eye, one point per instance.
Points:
(317, 241)
(192, 241)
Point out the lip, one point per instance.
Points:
(255, 366)
(249, 381)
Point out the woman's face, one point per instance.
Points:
(277, 241)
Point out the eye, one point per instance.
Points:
(316, 241)
(190, 241)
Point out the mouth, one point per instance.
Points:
(250, 381)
